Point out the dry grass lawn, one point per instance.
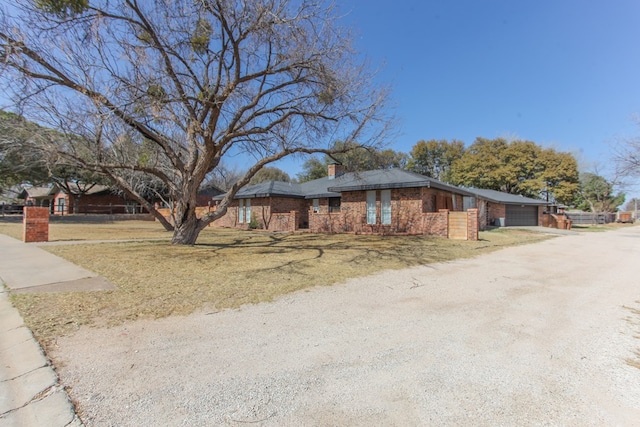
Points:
(119, 230)
(599, 227)
(226, 269)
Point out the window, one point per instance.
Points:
(334, 204)
(316, 205)
(385, 207)
(371, 207)
(61, 204)
(468, 203)
(241, 211)
(247, 210)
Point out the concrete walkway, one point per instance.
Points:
(30, 394)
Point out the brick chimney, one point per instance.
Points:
(334, 170)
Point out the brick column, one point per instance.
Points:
(472, 224)
(35, 225)
(444, 218)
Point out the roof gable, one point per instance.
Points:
(34, 192)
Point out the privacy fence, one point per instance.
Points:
(591, 218)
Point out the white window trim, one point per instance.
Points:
(247, 211)
(371, 207)
(385, 207)
(241, 211)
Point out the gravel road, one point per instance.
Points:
(531, 335)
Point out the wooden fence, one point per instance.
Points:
(590, 217)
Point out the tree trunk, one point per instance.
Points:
(187, 225)
(187, 232)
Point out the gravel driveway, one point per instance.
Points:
(531, 335)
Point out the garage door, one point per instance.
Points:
(521, 215)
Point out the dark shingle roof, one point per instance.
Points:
(387, 179)
(319, 188)
(355, 181)
(270, 189)
(36, 192)
(505, 198)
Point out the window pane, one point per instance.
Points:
(385, 200)
(334, 204)
(247, 210)
(241, 211)
(371, 207)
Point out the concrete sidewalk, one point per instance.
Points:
(30, 394)
(24, 267)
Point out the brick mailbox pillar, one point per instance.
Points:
(35, 225)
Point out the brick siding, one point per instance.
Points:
(413, 211)
(473, 224)
(496, 211)
(269, 213)
(35, 224)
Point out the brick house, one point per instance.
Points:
(37, 196)
(99, 199)
(496, 208)
(277, 206)
(391, 201)
(206, 195)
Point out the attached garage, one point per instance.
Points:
(521, 215)
(503, 209)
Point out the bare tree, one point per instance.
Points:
(224, 177)
(17, 165)
(171, 88)
(626, 157)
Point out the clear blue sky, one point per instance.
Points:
(563, 73)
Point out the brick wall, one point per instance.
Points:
(496, 211)
(35, 224)
(270, 213)
(436, 223)
(284, 221)
(483, 214)
(541, 210)
(337, 222)
(473, 224)
(413, 211)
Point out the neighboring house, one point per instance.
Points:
(390, 201)
(206, 195)
(37, 196)
(99, 199)
(496, 208)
